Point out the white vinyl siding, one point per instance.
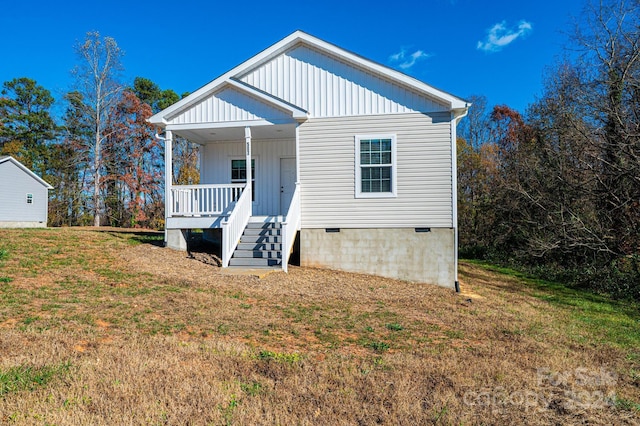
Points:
(424, 175)
(216, 168)
(327, 87)
(229, 105)
(15, 186)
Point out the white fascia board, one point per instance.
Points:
(226, 124)
(26, 170)
(296, 37)
(453, 101)
(161, 117)
(296, 112)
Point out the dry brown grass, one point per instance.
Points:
(153, 337)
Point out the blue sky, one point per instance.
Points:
(495, 48)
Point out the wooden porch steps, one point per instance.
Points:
(260, 244)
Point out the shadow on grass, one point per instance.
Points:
(155, 238)
(198, 248)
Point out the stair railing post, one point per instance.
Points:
(247, 139)
(284, 254)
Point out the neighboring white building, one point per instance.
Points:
(358, 157)
(24, 197)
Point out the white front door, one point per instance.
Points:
(287, 182)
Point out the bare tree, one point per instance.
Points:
(97, 81)
(608, 39)
(475, 128)
(562, 184)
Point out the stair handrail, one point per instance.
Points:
(291, 226)
(234, 226)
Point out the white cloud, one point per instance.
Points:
(499, 36)
(407, 60)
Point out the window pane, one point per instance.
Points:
(236, 168)
(375, 158)
(385, 158)
(239, 174)
(239, 170)
(365, 150)
(386, 145)
(375, 179)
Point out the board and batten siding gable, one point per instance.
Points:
(424, 174)
(229, 105)
(327, 87)
(15, 184)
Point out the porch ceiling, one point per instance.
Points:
(217, 134)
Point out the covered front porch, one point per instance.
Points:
(225, 172)
(248, 166)
(247, 173)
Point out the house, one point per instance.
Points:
(24, 197)
(307, 140)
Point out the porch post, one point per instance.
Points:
(168, 178)
(297, 154)
(247, 138)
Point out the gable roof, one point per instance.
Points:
(24, 168)
(241, 79)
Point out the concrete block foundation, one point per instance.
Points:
(176, 239)
(401, 253)
(8, 224)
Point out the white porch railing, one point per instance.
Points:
(233, 227)
(203, 200)
(290, 227)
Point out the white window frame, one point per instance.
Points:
(394, 168)
(29, 198)
(253, 174)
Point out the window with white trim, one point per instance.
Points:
(29, 198)
(239, 174)
(375, 166)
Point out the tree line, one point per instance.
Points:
(557, 190)
(101, 156)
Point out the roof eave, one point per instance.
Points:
(452, 101)
(26, 170)
(161, 118)
(295, 111)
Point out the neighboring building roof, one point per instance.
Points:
(252, 79)
(5, 158)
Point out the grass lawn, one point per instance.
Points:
(108, 328)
